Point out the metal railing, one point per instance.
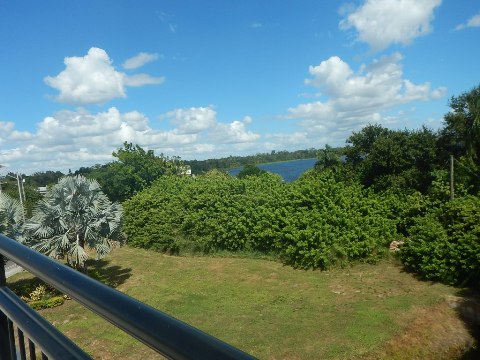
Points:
(168, 336)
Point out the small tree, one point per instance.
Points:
(134, 170)
(328, 158)
(11, 216)
(75, 214)
(250, 170)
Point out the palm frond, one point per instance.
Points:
(75, 205)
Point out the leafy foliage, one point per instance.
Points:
(333, 223)
(388, 159)
(37, 294)
(47, 303)
(9, 187)
(315, 222)
(44, 178)
(73, 215)
(134, 170)
(250, 170)
(328, 158)
(210, 212)
(445, 243)
(461, 137)
(11, 216)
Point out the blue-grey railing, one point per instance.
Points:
(168, 336)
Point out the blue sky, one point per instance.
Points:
(217, 78)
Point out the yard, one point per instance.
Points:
(275, 312)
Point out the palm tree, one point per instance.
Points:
(75, 214)
(11, 216)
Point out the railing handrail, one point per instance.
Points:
(163, 333)
(54, 344)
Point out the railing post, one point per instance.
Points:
(5, 351)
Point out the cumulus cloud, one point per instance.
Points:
(351, 99)
(92, 79)
(71, 139)
(139, 60)
(196, 120)
(233, 133)
(193, 120)
(474, 21)
(381, 23)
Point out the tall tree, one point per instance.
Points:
(462, 124)
(75, 214)
(400, 159)
(361, 143)
(328, 158)
(134, 170)
(461, 136)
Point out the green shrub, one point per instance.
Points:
(404, 207)
(207, 213)
(47, 303)
(153, 217)
(315, 222)
(330, 222)
(445, 244)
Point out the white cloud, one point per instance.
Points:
(233, 133)
(142, 79)
(193, 120)
(71, 139)
(438, 93)
(92, 79)
(6, 127)
(196, 120)
(474, 21)
(88, 80)
(354, 99)
(277, 141)
(381, 23)
(139, 60)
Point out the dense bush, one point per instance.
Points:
(329, 222)
(314, 222)
(207, 213)
(404, 207)
(445, 244)
(48, 303)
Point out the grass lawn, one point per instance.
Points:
(273, 311)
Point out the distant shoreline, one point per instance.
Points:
(271, 162)
(289, 170)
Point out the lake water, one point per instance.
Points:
(289, 170)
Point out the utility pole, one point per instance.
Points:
(452, 195)
(19, 185)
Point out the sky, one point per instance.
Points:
(209, 79)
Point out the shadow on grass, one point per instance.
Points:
(112, 276)
(468, 309)
(24, 287)
(467, 305)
